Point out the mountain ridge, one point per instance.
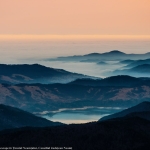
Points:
(137, 63)
(11, 117)
(38, 98)
(141, 107)
(137, 71)
(35, 73)
(119, 80)
(107, 56)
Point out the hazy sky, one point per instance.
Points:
(75, 17)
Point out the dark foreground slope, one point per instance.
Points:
(11, 117)
(125, 134)
(141, 110)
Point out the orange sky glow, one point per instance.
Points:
(74, 18)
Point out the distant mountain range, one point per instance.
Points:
(136, 63)
(14, 74)
(131, 62)
(145, 68)
(141, 110)
(127, 61)
(101, 63)
(97, 57)
(138, 71)
(11, 117)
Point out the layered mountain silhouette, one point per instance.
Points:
(11, 117)
(14, 74)
(141, 110)
(97, 57)
(128, 129)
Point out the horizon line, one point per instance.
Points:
(71, 36)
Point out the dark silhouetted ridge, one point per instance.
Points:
(11, 117)
(144, 68)
(35, 73)
(116, 52)
(92, 54)
(120, 80)
(140, 108)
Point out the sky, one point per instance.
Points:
(75, 17)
